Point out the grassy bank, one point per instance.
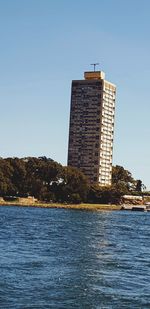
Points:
(83, 206)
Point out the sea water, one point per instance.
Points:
(57, 258)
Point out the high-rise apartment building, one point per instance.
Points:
(92, 127)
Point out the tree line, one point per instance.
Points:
(49, 181)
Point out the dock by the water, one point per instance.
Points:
(136, 207)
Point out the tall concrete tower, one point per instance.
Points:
(92, 127)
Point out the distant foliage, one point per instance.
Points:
(42, 178)
(49, 181)
(123, 180)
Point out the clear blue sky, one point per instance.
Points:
(44, 44)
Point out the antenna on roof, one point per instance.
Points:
(94, 65)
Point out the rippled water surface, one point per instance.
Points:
(56, 258)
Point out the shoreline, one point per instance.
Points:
(82, 206)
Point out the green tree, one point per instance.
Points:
(139, 186)
(18, 176)
(72, 187)
(122, 179)
(104, 195)
(6, 185)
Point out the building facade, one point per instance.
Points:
(92, 127)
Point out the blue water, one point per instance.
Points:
(56, 258)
